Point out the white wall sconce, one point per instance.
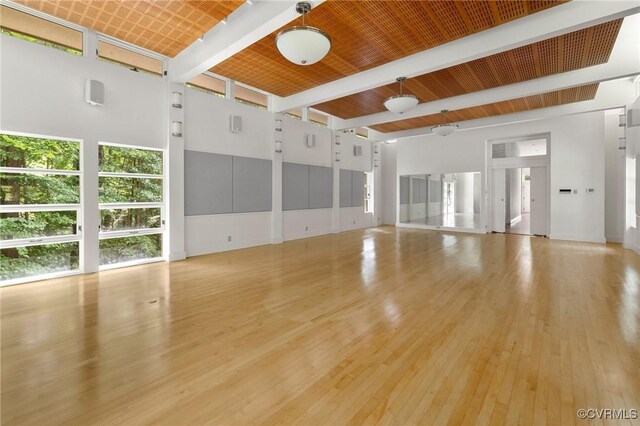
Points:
(176, 129)
(279, 147)
(357, 151)
(176, 100)
(622, 143)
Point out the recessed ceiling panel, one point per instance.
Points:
(579, 49)
(545, 100)
(366, 34)
(166, 26)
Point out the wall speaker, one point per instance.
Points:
(310, 141)
(235, 123)
(94, 92)
(357, 151)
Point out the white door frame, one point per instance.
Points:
(516, 163)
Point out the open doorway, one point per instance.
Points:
(519, 185)
(520, 195)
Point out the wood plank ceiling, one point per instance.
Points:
(579, 49)
(545, 100)
(165, 27)
(366, 34)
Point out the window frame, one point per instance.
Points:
(78, 237)
(107, 235)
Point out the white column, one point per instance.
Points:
(174, 187)
(335, 151)
(90, 212)
(276, 192)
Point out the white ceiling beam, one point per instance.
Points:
(245, 26)
(623, 62)
(552, 22)
(611, 94)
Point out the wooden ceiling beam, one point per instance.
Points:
(548, 23)
(245, 26)
(611, 94)
(623, 62)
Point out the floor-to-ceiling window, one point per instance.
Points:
(131, 204)
(40, 232)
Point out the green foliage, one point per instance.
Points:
(116, 250)
(129, 160)
(37, 260)
(38, 153)
(37, 224)
(31, 39)
(129, 190)
(121, 219)
(32, 189)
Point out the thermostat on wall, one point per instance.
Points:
(94, 92)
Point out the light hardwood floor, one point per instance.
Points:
(374, 326)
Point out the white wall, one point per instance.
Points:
(42, 93)
(389, 184)
(310, 222)
(577, 161)
(354, 217)
(614, 178)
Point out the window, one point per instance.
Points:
(368, 192)
(128, 58)
(362, 133)
(206, 83)
(318, 118)
(251, 97)
(294, 113)
(37, 30)
(40, 228)
(130, 197)
(523, 148)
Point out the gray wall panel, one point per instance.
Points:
(345, 188)
(404, 189)
(357, 189)
(251, 185)
(295, 186)
(320, 187)
(207, 181)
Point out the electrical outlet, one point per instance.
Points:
(229, 238)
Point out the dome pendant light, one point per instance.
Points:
(402, 102)
(444, 129)
(303, 45)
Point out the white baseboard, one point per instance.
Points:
(516, 219)
(308, 234)
(613, 238)
(580, 238)
(180, 255)
(216, 248)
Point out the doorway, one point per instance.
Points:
(520, 200)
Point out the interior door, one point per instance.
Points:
(499, 189)
(539, 200)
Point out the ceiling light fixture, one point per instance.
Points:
(444, 129)
(392, 141)
(401, 103)
(303, 45)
